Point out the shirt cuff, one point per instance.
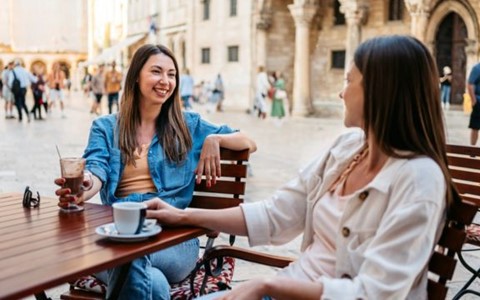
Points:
(256, 219)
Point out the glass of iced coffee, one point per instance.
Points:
(73, 171)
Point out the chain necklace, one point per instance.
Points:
(355, 161)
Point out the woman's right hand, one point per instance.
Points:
(64, 195)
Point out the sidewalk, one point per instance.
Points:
(29, 158)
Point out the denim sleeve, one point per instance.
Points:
(96, 153)
(201, 128)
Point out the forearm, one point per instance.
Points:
(471, 92)
(236, 141)
(229, 220)
(281, 288)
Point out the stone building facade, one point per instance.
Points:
(40, 35)
(309, 41)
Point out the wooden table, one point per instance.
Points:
(42, 247)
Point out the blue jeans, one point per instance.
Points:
(445, 94)
(150, 276)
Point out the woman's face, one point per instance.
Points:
(157, 79)
(352, 95)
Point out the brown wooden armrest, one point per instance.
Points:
(248, 255)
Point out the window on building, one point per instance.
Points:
(206, 9)
(395, 10)
(233, 8)
(205, 55)
(338, 59)
(339, 17)
(233, 53)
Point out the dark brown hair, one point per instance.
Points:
(402, 108)
(171, 128)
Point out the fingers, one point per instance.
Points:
(60, 181)
(152, 203)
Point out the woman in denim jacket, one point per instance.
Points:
(153, 150)
(371, 208)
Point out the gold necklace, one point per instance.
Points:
(355, 161)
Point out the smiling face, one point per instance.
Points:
(353, 97)
(157, 80)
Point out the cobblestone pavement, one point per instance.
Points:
(28, 157)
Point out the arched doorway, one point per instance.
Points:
(450, 43)
(38, 67)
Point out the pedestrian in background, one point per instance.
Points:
(98, 89)
(186, 89)
(263, 86)
(24, 78)
(113, 85)
(37, 90)
(7, 93)
(474, 92)
(446, 87)
(56, 84)
(279, 97)
(218, 93)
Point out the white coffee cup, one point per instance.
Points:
(129, 217)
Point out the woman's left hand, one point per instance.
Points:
(249, 290)
(209, 163)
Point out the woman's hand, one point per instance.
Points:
(64, 194)
(249, 290)
(209, 163)
(163, 212)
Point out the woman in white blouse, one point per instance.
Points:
(372, 207)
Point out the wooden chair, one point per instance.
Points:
(442, 263)
(464, 165)
(227, 192)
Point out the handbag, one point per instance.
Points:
(280, 94)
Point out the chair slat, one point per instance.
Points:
(466, 175)
(241, 155)
(210, 202)
(463, 162)
(442, 265)
(436, 290)
(231, 170)
(222, 187)
(464, 150)
(452, 238)
(464, 188)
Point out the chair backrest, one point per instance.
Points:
(464, 168)
(230, 187)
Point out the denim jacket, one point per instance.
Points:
(174, 181)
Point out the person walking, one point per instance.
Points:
(263, 86)
(279, 97)
(7, 93)
(473, 88)
(18, 81)
(113, 85)
(56, 84)
(186, 89)
(37, 89)
(218, 93)
(98, 89)
(446, 87)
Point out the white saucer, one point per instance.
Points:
(150, 228)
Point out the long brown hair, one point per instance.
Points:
(171, 128)
(402, 107)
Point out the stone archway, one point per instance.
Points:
(455, 20)
(38, 67)
(450, 43)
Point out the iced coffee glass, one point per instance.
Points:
(73, 171)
